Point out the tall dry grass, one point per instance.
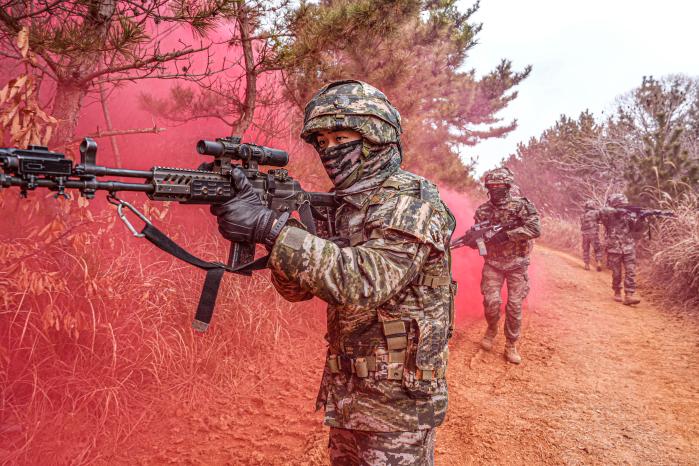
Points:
(674, 249)
(95, 327)
(561, 233)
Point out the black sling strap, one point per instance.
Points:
(214, 273)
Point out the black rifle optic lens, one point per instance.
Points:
(214, 148)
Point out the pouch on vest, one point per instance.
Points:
(428, 356)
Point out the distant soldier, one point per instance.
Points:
(507, 258)
(621, 229)
(589, 227)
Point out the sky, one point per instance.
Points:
(584, 54)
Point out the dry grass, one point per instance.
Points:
(561, 233)
(674, 248)
(95, 326)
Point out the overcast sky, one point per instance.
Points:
(584, 53)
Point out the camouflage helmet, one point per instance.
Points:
(353, 105)
(589, 204)
(502, 175)
(616, 200)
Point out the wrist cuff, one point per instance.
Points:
(271, 237)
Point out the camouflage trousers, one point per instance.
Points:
(494, 275)
(362, 448)
(591, 241)
(615, 262)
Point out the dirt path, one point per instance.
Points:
(600, 383)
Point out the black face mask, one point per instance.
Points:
(498, 195)
(342, 162)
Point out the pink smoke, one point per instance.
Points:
(467, 264)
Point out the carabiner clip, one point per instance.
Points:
(120, 204)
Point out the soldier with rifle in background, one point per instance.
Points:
(589, 227)
(513, 224)
(623, 225)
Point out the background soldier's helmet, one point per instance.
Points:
(352, 105)
(501, 175)
(616, 200)
(589, 205)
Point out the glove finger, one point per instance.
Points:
(240, 182)
(221, 209)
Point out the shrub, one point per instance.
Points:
(561, 233)
(674, 248)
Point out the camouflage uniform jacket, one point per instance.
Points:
(390, 304)
(621, 230)
(520, 243)
(589, 223)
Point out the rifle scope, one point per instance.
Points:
(231, 147)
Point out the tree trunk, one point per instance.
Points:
(66, 108)
(248, 109)
(110, 127)
(70, 92)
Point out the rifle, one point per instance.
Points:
(481, 233)
(642, 212)
(37, 167)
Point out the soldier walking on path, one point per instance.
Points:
(622, 228)
(386, 279)
(507, 258)
(589, 227)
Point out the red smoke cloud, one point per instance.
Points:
(466, 264)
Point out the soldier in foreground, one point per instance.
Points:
(589, 227)
(621, 229)
(507, 258)
(387, 280)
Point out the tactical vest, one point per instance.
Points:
(507, 212)
(589, 225)
(407, 342)
(620, 235)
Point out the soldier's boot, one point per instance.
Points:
(599, 268)
(630, 299)
(487, 341)
(617, 296)
(587, 266)
(511, 353)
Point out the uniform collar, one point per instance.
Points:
(507, 201)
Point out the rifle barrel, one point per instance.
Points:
(111, 186)
(107, 171)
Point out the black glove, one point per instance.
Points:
(499, 237)
(244, 219)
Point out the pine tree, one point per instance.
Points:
(661, 115)
(415, 52)
(82, 45)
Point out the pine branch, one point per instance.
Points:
(120, 132)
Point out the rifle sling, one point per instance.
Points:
(306, 216)
(214, 273)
